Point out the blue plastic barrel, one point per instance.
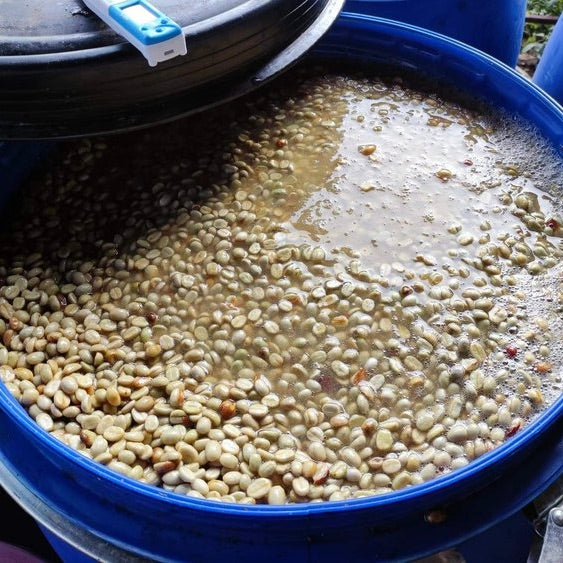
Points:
(495, 27)
(549, 73)
(17, 162)
(91, 510)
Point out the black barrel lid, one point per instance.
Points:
(64, 73)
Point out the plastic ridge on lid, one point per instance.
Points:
(154, 34)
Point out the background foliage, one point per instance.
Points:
(536, 35)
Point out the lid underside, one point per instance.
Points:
(64, 73)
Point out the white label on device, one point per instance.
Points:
(139, 14)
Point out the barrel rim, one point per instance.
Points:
(497, 456)
(474, 469)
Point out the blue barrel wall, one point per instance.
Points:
(549, 73)
(17, 161)
(495, 26)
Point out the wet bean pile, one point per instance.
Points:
(335, 288)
